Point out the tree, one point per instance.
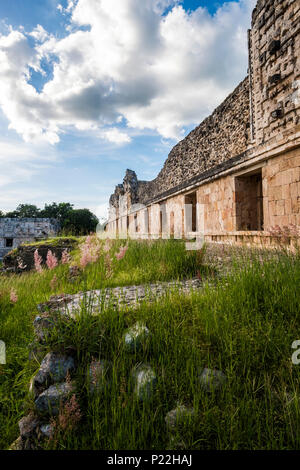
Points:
(80, 222)
(12, 215)
(57, 211)
(2, 214)
(27, 210)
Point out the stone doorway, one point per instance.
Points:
(9, 242)
(249, 201)
(190, 202)
(172, 227)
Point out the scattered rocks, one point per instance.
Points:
(146, 381)
(47, 430)
(54, 368)
(212, 379)
(179, 416)
(32, 431)
(51, 387)
(98, 375)
(51, 399)
(28, 425)
(136, 336)
(29, 433)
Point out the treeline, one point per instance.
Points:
(72, 221)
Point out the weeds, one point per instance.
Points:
(243, 325)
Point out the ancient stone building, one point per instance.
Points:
(238, 172)
(14, 232)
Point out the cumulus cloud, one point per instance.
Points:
(115, 136)
(39, 33)
(124, 58)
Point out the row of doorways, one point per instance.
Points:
(248, 209)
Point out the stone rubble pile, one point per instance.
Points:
(53, 385)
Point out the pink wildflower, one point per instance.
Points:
(51, 260)
(65, 257)
(13, 296)
(90, 251)
(84, 260)
(108, 266)
(70, 415)
(107, 245)
(38, 261)
(122, 252)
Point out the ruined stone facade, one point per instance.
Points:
(14, 232)
(239, 170)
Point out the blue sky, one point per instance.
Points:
(87, 93)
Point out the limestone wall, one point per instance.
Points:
(228, 205)
(19, 231)
(282, 190)
(221, 136)
(218, 199)
(275, 67)
(243, 161)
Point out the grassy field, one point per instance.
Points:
(243, 325)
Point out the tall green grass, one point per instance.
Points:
(244, 326)
(144, 262)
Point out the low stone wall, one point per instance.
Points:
(24, 254)
(254, 239)
(24, 230)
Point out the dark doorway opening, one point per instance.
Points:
(163, 222)
(191, 200)
(172, 228)
(9, 242)
(148, 221)
(249, 201)
(136, 223)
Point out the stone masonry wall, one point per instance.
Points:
(281, 181)
(258, 123)
(218, 199)
(219, 137)
(24, 230)
(275, 67)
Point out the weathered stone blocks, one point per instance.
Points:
(179, 416)
(145, 382)
(136, 336)
(53, 398)
(54, 368)
(212, 379)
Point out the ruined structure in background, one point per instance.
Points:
(239, 169)
(14, 232)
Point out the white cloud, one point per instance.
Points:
(39, 33)
(115, 136)
(157, 72)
